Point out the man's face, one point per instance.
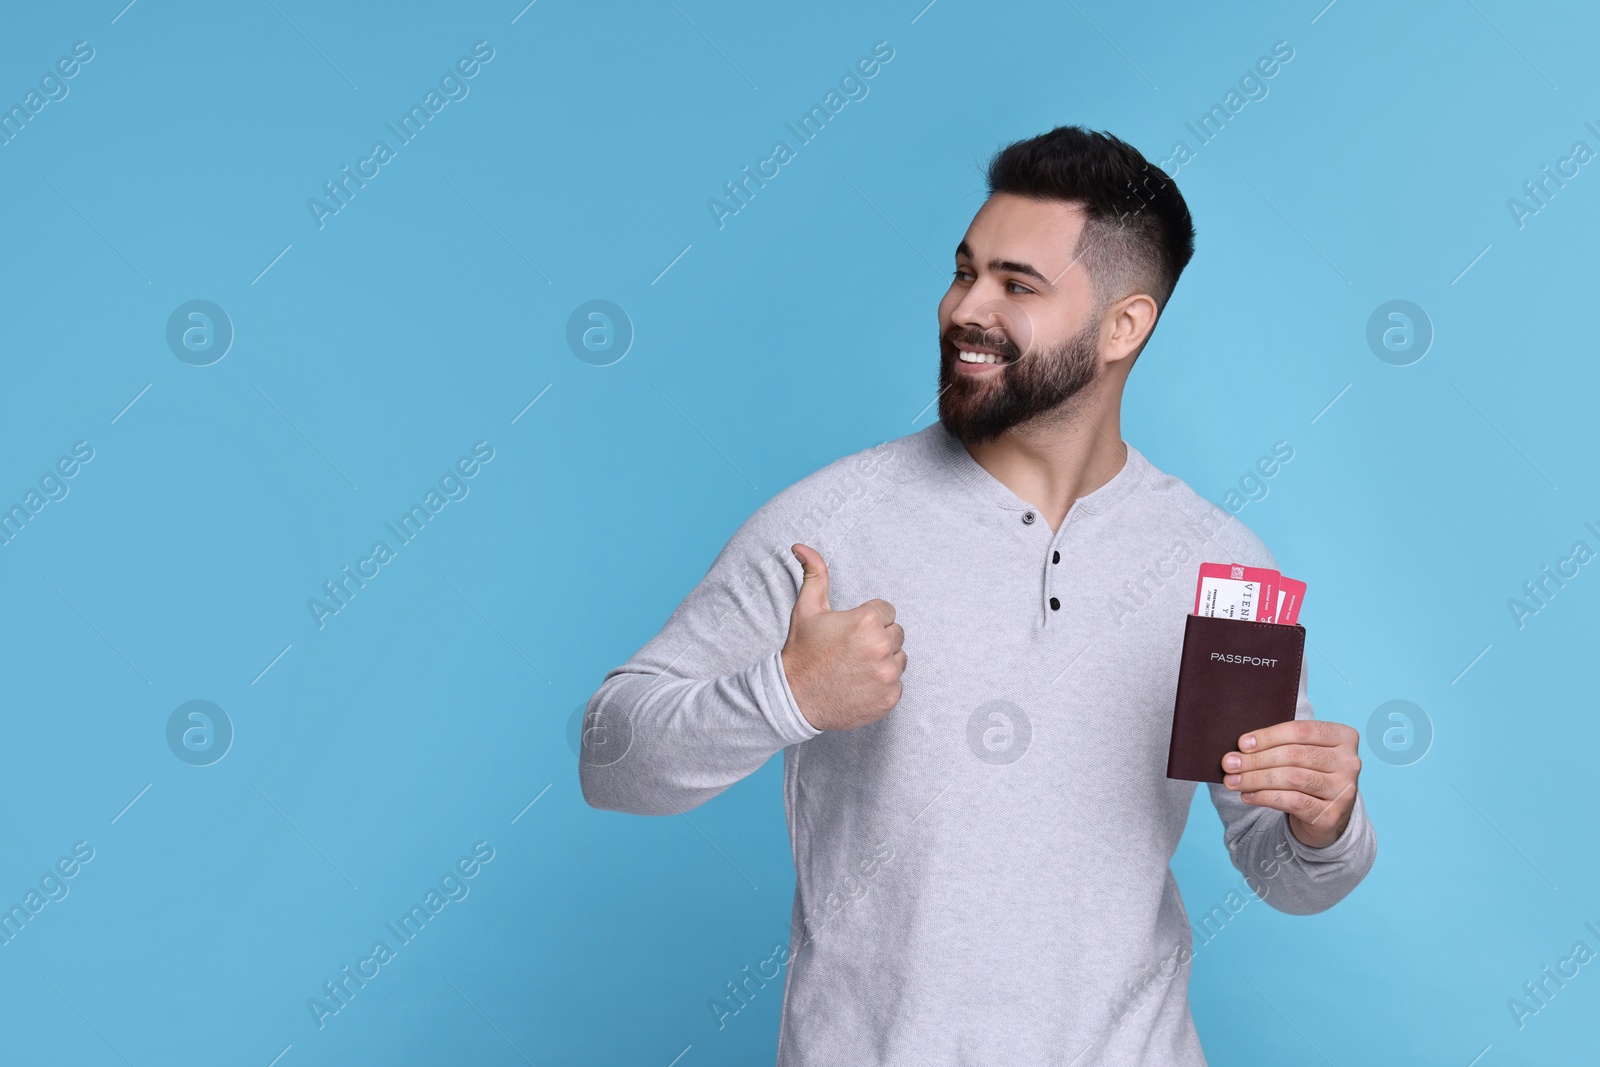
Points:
(1018, 294)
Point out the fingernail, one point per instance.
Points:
(1231, 780)
(1249, 742)
(1247, 796)
(1231, 762)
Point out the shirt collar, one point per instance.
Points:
(953, 456)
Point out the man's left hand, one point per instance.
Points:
(1306, 768)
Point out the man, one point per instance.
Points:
(975, 753)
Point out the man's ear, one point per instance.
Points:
(1127, 324)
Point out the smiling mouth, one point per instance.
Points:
(970, 355)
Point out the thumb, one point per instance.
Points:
(813, 596)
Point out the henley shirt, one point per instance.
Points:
(982, 876)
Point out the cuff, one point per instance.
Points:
(1340, 846)
(778, 700)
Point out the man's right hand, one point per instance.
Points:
(843, 667)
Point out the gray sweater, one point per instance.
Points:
(982, 877)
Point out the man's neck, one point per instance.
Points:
(1052, 464)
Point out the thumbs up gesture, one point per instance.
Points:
(843, 667)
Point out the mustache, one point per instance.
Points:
(993, 339)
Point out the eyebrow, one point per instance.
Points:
(1007, 265)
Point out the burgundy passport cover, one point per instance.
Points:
(1235, 677)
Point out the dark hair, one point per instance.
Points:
(1137, 234)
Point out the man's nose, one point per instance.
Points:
(976, 309)
(991, 321)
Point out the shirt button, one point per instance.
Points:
(1027, 516)
(1055, 557)
(1055, 604)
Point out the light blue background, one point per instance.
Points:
(433, 309)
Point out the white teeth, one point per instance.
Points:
(977, 357)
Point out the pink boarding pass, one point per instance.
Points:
(1291, 594)
(1234, 591)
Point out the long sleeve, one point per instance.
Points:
(1288, 874)
(705, 702)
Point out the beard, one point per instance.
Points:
(1030, 384)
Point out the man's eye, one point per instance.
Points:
(959, 271)
(1020, 286)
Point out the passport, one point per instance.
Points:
(1235, 675)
